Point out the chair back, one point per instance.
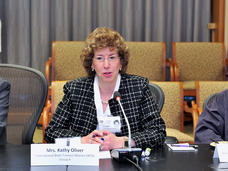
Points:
(27, 98)
(172, 111)
(159, 98)
(206, 88)
(66, 61)
(147, 59)
(200, 61)
(57, 94)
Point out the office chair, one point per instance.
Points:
(27, 98)
(172, 111)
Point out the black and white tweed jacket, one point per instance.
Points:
(76, 113)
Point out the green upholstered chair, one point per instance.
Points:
(172, 111)
(198, 61)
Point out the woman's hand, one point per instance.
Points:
(111, 141)
(106, 139)
(93, 138)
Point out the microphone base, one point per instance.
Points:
(130, 153)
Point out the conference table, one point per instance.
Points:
(17, 157)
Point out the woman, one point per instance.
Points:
(88, 109)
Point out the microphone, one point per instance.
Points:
(125, 153)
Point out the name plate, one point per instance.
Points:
(57, 154)
(221, 152)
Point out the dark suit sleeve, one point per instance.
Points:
(4, 106)
(211, 123)
(153, 127)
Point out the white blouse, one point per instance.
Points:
(97, 97)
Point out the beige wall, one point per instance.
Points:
(226, 27)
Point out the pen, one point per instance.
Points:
(180, 145)
(95, 135)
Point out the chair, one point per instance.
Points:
(198, 61)
(159, 97)
(172, 111)
(26, 101)
(204, 89)
(147, 59)
(57, 95)
(65, 64)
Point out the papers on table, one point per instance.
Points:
(221, 152)
(182, 147)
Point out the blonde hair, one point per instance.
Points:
(103, 37)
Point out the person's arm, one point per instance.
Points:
(210, 127)
(153, 127)
(4, 106)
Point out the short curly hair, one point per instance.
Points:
(103, 37)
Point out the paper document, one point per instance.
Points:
(182, 147)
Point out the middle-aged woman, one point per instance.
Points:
(88, 109)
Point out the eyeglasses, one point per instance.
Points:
(110, 58)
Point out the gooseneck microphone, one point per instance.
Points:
(117, 97)
(125, 154)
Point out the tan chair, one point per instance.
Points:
(147, 59)
(205, 89)
(198, 61)
(57, 95)
(172, 111)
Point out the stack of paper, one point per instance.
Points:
(182, 147)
